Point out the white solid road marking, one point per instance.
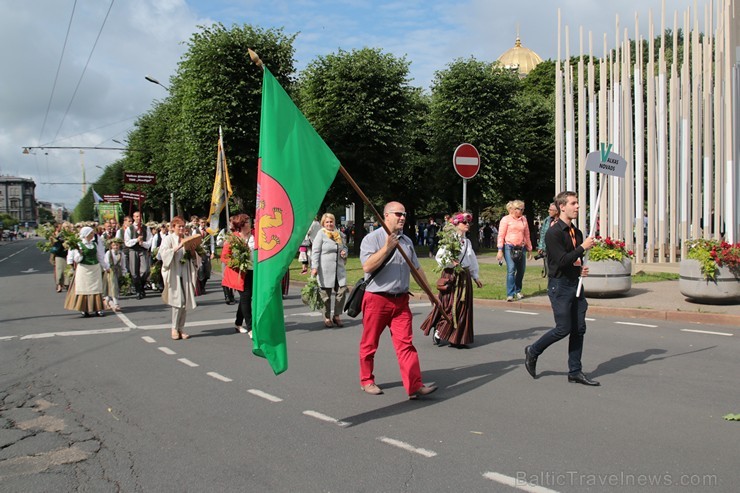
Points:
(75, 333)
(218, 376)
(166, 350)
(515, 483)
(264, 395)
(406, 446)
(590, 319)
(522, 313)
(304, 314)
(200, 323)
(126, 320)
(188, 362)
(708, 332)
(149, 339)
(636, 324)
(324, 417)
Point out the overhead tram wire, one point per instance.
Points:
(59, 67)
(82, 75)
(56, 78)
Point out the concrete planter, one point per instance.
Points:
(608, 278)
(692, 284)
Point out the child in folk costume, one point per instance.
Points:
(111, 278)
(88, 260)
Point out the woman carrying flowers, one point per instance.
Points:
(88, 259)
(459, 266)
(180, 274)
(238, 274)
(328, 259)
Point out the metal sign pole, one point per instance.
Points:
(465, 194)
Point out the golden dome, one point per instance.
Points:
(519, 58)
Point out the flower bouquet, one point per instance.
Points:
(311, 295)
(46, 231)
(449, 240)
(71, 239)
(609, 249)
(241, 255)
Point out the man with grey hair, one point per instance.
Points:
(386, 303)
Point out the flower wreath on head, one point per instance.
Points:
(462, 217)
(109, 242)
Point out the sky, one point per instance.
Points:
(73, 70)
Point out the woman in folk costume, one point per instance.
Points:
(89, 262)
(180, 275)
(112, 276)
(328, 257)
(241, 276)
(460, 268)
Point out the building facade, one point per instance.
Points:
(18, 199)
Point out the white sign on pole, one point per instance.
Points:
(606, 162)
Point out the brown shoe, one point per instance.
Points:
(337, 321)
(424, 390)
(373, 389)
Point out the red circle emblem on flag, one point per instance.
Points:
(274, 217)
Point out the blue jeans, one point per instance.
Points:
(570, 320)
(514, 271)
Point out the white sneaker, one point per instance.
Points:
(243, 330)
(250, 334)
(509, 298)
(519, 296)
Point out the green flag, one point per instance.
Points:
(296, 168)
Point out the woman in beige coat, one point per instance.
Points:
(179, 274)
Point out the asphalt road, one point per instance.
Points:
(113, 404)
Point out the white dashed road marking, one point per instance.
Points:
(636, 324)
(166, 350)
(406, 446)
(188, 362)
(708, 332)
(264, 395)
(149, 339)
(522, 313)
(13, 254)
(324, 417)
(218, 376)
(516, 483)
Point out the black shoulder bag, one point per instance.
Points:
(354, 301)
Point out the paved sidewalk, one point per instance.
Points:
(660, 300)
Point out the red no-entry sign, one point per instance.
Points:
(466, 161)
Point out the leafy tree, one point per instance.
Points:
(475, 102)
(359, 102)
(217, 85)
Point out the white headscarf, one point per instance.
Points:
(84, 233)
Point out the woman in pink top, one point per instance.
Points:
(513, 244)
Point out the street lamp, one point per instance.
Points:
(155, 81)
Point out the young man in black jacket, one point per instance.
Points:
(565, 249)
